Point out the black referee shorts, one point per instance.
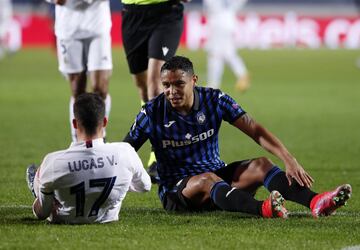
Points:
(176, 201)
(151, 31)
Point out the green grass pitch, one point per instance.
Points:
(309, 98)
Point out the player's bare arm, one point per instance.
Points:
(272, 144)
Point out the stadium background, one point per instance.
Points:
(313, 24)
(308, 96)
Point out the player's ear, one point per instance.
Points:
(74, 123)
(195, 79)
(105, 121)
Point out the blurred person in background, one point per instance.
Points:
(82, 29)
(10, 30)
(357, 3)
(221, 44)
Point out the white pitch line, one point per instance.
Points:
(294, 213)
(15, 206)
(351, 248)
(309, 213)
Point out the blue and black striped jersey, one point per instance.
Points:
(185, 145)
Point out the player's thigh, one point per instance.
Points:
(165, 39)
(136, 30)
(249, 175)
(70, 55)
(99, 55)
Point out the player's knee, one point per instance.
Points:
(78, 84)
(261, 166)
(206, 181)
(101, 91)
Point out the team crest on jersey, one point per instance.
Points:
(235, 105)
(201, 117)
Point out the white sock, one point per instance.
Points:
(215, 69)
(107, 108)
(71, 112)
(236, 64)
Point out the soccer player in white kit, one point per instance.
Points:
(87, 182)
(10, 30)
(221, 46)
(82, 29)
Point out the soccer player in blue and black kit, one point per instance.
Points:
(182, 125)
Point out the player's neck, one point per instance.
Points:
(85, 137)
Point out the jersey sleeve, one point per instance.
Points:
(229, 108)
(139, 131)
(141, 181)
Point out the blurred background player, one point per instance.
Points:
(221, 44)
(82, 29)
(87, 182)
(151, 31)
(10, 30)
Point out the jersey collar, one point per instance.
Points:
(88, 144)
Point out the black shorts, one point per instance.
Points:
(151, 31)
(176, 201)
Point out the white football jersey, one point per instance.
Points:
(90, 180)
(79, 19)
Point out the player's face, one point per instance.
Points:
(178, 87)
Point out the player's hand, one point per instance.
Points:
(295, 171)
(60, 2)
(55, 207)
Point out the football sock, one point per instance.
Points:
(276, 180)
(235, 200)
(237, 65)
(215, 65)
(107, 109)
(71, 112)
(107, 105)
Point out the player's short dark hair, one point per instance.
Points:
(178, 62)
(89, 111)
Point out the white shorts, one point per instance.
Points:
(90, 54)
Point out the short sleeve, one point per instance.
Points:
(140, 130)
(230, 109)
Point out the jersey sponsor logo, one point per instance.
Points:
(189, 139)
(165, 50)
(168, 125)
(200, 117)
(90, 163)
